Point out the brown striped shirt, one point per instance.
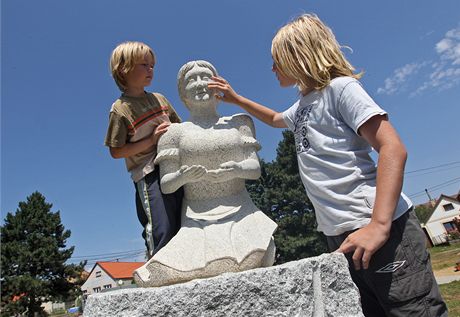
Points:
(135, 118)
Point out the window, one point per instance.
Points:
(98, 273)
(450, 226)
(96, 289)
(448, 207)
(107, 286)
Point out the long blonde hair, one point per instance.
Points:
(125, 57)
(306, 50)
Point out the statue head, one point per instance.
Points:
(192, 83)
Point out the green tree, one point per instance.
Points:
(423, 213)
(279, 192)
(33, 259)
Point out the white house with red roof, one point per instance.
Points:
(107, 275)
(441, 223)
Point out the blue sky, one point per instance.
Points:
(56, 91)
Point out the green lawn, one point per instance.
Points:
(451, 294)
(445, 256)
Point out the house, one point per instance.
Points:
(440, 223)
(107, 275)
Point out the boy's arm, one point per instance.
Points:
(267, 115)
(390, 170)
(130, 149)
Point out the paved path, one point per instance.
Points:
(447, 275)
(447, 279)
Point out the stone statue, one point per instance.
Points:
(211, 156)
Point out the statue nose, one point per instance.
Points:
(201, 82)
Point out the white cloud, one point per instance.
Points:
(449, 47)
(443, 74)
(400, 75)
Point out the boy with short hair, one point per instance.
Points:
(136, 122)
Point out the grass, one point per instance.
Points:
(444, 256)
(451, 295)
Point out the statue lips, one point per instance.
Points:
(202, 95)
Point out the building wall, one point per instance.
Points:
(435, 225)
(51, 307)
(97, 279)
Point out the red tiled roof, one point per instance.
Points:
(120, 269)
(18, 297)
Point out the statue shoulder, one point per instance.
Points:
(172, 137)
(244, 123)
(243, 118)
(168, 145)
(245, 126)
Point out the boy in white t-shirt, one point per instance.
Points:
(359, 207)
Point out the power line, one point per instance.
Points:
(131, 256)
(449, 182)
(105, 254)
(431, 172)
(433, 167)
(107, 257)
(435, 187)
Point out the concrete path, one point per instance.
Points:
(447, 279)
(447, 275)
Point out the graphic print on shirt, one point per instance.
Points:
(301, 128)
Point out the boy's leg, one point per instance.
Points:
(400, 273)
(369, 302)
(162, 212)
(141, 215)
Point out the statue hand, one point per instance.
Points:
(227, 171)
(192, 173)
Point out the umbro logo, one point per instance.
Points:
(391, 267)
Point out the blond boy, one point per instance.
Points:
(137, 120)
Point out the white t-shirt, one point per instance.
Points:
(334, 163)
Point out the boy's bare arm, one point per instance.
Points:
(130, 149)
(390, 169)
(267, 115)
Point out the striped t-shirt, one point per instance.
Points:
(135, 118)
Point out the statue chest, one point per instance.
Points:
(211, 147)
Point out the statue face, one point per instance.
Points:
(196, 85)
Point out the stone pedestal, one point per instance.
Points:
(319, 287)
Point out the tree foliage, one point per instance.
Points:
(279, 193)
(423, 212)
(33, 256)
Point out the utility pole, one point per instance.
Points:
(432, 202)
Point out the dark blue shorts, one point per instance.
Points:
(399, 280)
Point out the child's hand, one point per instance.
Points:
(364, 243)
(159, 131)
(221, 85)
